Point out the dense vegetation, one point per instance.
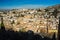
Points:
(29, 35)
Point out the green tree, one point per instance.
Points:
(55, 13)
(2, 24)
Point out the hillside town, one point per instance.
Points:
(38, 20)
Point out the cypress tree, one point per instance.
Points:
(59, 29)
(2, 24)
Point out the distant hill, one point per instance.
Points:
(4, 10)
(54, 6)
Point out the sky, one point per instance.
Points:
(10, 4)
